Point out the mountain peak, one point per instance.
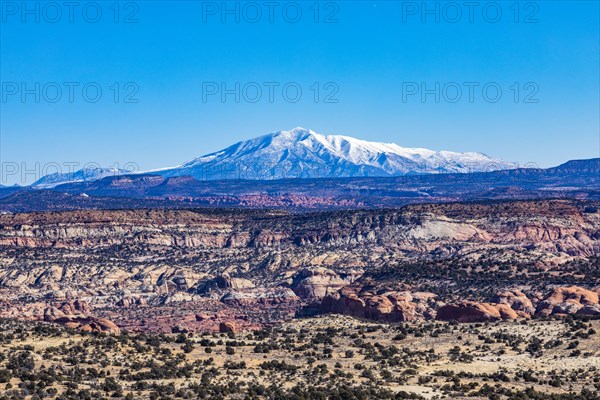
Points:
(299, 131)
(303, 153)
(297, 134)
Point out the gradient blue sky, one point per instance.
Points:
(368, 54)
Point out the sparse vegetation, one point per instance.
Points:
(319, 358)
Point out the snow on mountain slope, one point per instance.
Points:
(302, 153)
(83, 175)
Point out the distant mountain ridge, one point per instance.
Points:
(82, 175)
(302, 153)
(583, 166)
(576, 179)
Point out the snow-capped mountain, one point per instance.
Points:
(83, 175)
(302, 153)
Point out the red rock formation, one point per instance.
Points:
(569, 300)
(470, 311)
(88, 324)
(316, 283)
(228, 326)
(389, 306)
(75, 315)
(204, 317)
(76, 306)
(517, 300)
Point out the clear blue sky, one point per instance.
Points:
(370, 53)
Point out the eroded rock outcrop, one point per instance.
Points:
(388, 306)
(76, 315)
(569, 300)
(471, 311)
(273, 296)
(144, 264)
(316, 283)
(223, 282)
(517, 300)
(228, 327)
